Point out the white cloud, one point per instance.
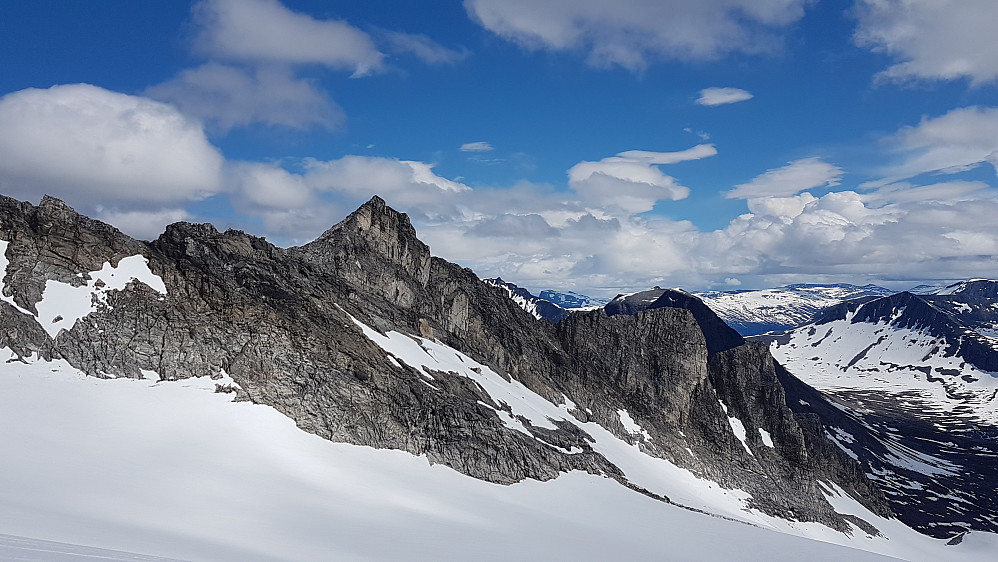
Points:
(630, 32)
(722, 96)
(479, 146)
(139, 164)
(266, 31)
(937, 40)
(269, 186)
(796, 176)
(631, 182)
(424, 48)
(789, 207)
(228, 97)
(258, 52)
(513, 226)
(94, 147)
(365, 174)
(146, 225)
(957, 141)
(901, 231)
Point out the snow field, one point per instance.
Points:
(174, 469)
(651, 473)
(839, 356)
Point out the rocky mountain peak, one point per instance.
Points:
(362, 337)
(371, 238)
(388, 230)
(719, 336)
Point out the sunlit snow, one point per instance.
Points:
(175, 469)
(841, 355)
(737, 427)
(63, 304)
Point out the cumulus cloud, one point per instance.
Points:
(631, 182)
(479, 146)
(938, 40)
(259, 55)
(513, 226)
(722, 96)
(629, 33)
(93, 147)
(266, 31)
(269, 186)
(145, 225)
(902, 231)
(228, 96)
(789, 207)
(796, 176)
(140, 164)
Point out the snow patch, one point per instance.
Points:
(737, 427)
(842, 356)
(632, 426)
(767, 439)
(63, 304)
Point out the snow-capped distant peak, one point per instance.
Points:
(539, 308)
(757, 311)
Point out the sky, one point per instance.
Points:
(598, 146)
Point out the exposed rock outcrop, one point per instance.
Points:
(283, 323)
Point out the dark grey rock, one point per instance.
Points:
(278, 321)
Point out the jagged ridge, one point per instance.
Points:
(281, 323)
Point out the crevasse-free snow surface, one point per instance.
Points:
(382, 392)
(175, 469)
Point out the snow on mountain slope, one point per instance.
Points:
(756, 312)
(965, 286)
(23, 549)
(539, 308)
(572, 301)
(911, 370)
(842, 355)
(164, 468)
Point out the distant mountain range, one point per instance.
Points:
(766, 310)
(748, 312)
(917, 373)
(911, 378)
(406, 398)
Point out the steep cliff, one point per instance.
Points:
(363, 337)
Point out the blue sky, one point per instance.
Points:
(597, 146)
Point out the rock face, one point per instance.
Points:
(719, 336)
(288, 325)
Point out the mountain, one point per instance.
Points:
(539, 307)
(718, 335)
(572, 301)
(919, 375)
(553, 306)
(375, 355)
(756, 312)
